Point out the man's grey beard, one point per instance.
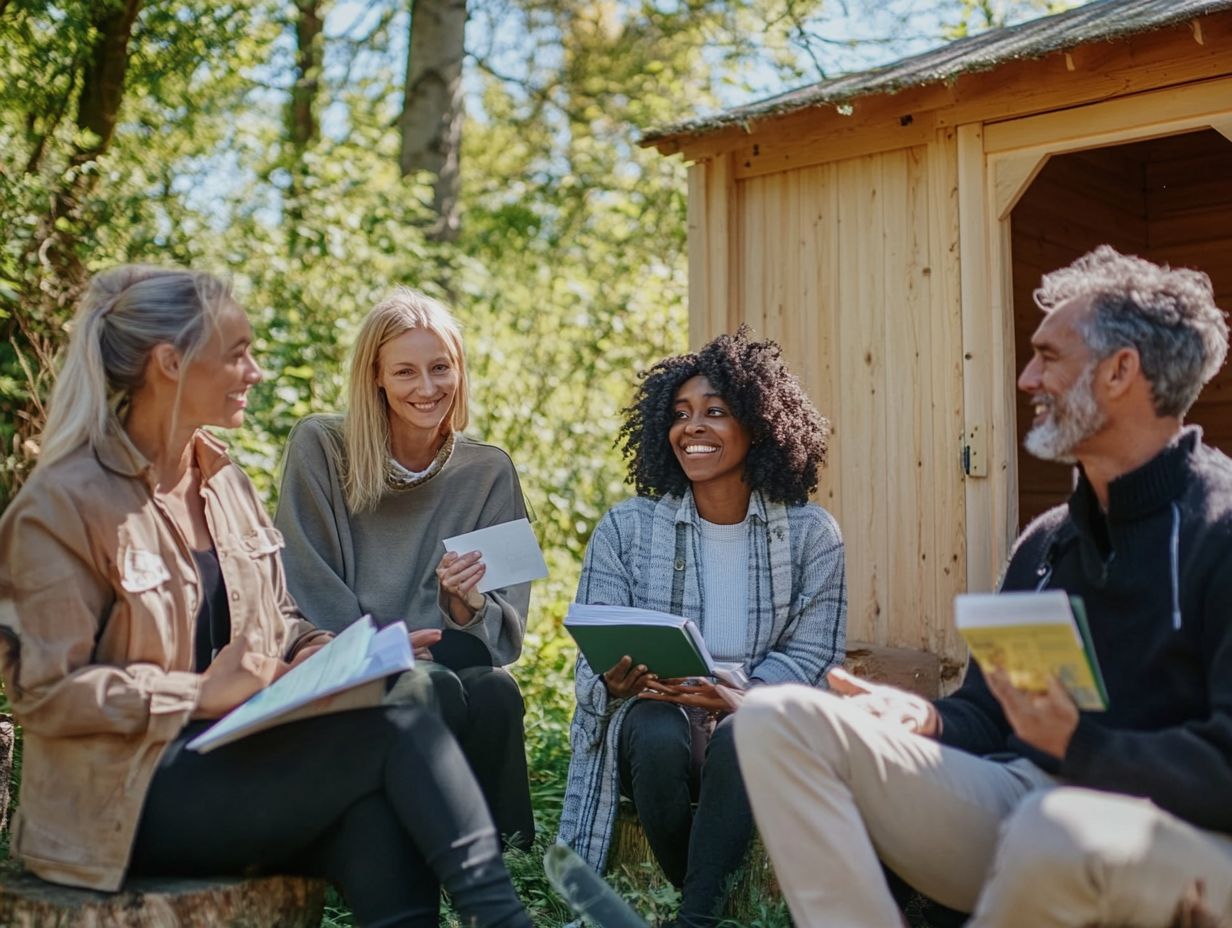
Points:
(1075, 416)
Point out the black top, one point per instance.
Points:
(214, 616)
(1155, 575)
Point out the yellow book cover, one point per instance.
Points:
(1033, 636)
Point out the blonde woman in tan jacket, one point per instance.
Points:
(142, 594)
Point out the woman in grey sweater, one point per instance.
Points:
(724, 448)
(367, 499)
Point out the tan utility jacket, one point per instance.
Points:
(99, 594)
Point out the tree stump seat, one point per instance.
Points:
(144, 902)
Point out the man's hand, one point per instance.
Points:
(912, 712)
(625, 680)
(1045, 721)
(714, 697)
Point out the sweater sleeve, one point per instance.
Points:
(971, 718)
(308, 515)
(501, 623)
(815, 636)
(52, 599)
(605, 580)
(1185, 769)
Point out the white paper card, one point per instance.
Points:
(509, 551)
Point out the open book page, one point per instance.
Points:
(347, 673)
(510, 554)
(1032, 636)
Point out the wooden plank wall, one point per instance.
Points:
(852, 267)
(1167, 199)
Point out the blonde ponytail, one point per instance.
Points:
(124, 313)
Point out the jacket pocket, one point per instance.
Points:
(142, 570)
(262, 540)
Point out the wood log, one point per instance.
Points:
(754, 885)
(261, 902)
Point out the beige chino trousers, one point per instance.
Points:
(834, 789)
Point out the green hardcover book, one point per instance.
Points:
(668, 645)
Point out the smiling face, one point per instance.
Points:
(419, 380)
(1059, 379)
(219, 376)
(708, 441)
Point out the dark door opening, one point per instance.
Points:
(1166, 199)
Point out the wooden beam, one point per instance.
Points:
(801, 145)
(1136, 117)
(1011, 178)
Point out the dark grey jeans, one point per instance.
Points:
(379, 801)
(483, 708)
(697, 849)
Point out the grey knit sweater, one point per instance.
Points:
(342, 565)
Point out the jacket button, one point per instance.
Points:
(235, 596)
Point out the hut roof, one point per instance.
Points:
(1102, 20)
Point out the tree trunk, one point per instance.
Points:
(102, 86)
(308, 59)
(431, 119)
(303, 129)
(98, 110)
(36, 334)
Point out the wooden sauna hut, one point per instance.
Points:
(888, 228)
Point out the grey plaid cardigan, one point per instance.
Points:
(796, 631)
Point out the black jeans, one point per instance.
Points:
(379, 801)
(698, 850)
(483, 708)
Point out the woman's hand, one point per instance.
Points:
(713, 697)
(235, 674)
(422, 640)
(308, 650)
(625, 680)
(458, 574)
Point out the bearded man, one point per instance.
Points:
(1018, 807)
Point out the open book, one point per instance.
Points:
(1034, 636)
(348, 673)
(669, 645)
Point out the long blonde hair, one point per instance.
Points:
(366, 425)
(124, 313)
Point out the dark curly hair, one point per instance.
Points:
(787, 434)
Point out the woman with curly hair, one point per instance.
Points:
(723, 448)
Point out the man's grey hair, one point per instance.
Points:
(1167, 314)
